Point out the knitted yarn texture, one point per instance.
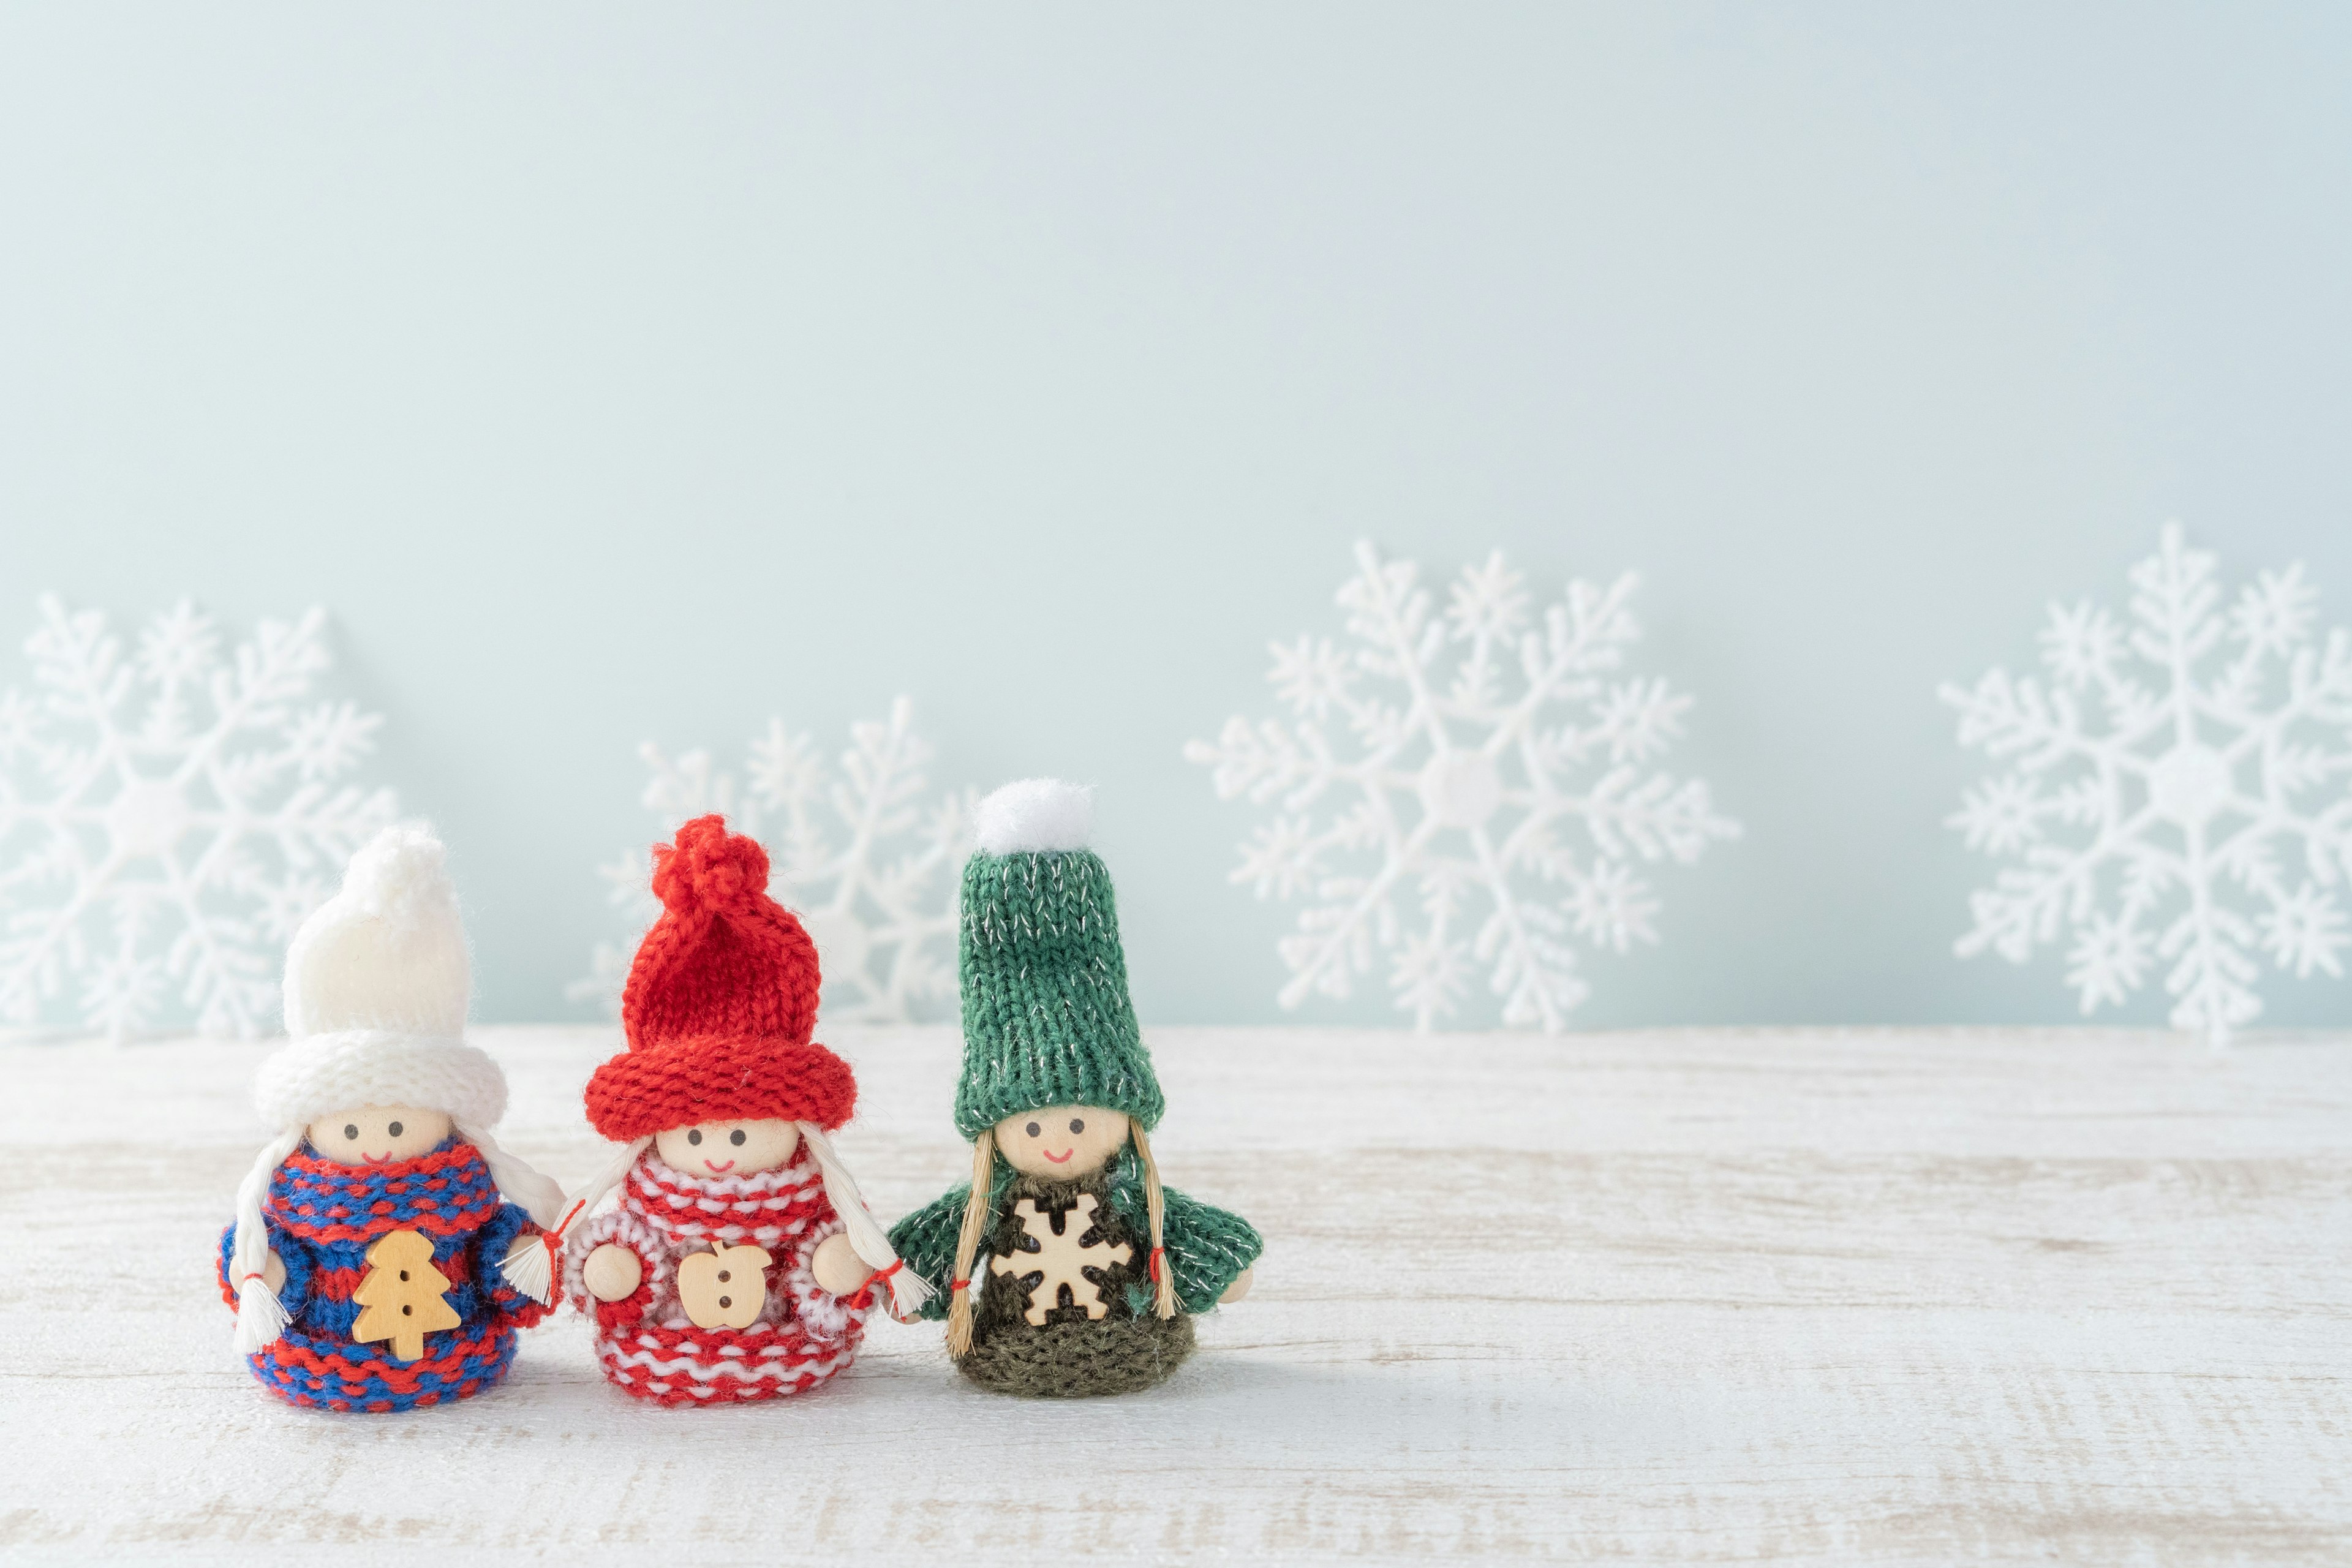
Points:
(321, 1217)
(720, 1001)
(720, 1004)
(378, 1066)
(1046, 1015)
(1071, 1354)
(377, 982)
(377, 985)
(647, 1346)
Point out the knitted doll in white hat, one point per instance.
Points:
(385, 1250)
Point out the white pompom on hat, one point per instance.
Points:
(1030, 816)
(377, 983)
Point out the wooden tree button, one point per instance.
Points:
(402, 1294)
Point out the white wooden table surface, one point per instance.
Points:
(1917, 1297)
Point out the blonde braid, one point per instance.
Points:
(1157, 1205)
(975, 1220)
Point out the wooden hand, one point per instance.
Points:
(837, 1267)
(1239, 1287)
(612, 1273)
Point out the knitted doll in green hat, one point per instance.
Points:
(1092, 1267)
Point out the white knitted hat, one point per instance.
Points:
(376, 985)
(377, 981)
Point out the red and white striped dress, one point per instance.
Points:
(647, 1345)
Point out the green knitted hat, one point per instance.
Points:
(1046, 1019)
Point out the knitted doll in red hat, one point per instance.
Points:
(740, 1262)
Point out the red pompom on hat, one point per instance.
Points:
(720, 1000)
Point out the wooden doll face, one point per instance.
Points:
(1061, 1140)
(377, 1134)
(729, 1147)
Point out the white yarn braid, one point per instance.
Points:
(605, 1180)
(518, 1182)
(873, 1247)
(529, 1265)
(260, 1316)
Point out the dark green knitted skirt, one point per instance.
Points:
(1117, 1354)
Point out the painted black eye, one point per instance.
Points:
(1033, 1130)
(395, 1129)
(695, 1136)
(736, 1137)
(352, 1130)
(1077, 1125)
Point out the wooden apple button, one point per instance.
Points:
(724, 1289)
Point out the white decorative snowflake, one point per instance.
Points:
(2169, 760)
(168, 818)
(1446, 783)
(870, 870)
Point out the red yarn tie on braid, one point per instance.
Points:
(1158, 1255)
(865, 1295)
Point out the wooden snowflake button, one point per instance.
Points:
(1061, 1257)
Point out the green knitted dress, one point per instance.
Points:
(1071, 1354)
(1065, 1296)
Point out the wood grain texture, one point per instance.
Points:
(1878, 1298)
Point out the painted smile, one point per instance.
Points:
(1061, 1158)
(375, 1159)
(722, 1166)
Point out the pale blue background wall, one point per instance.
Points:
(624, 374)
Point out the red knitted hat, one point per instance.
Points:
(720, 1000)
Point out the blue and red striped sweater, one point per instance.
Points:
(323, 1217)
